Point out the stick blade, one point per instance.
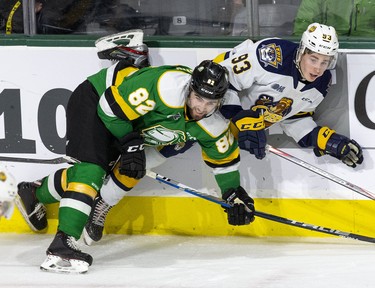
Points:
(59, 160)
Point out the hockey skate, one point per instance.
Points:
(64, 256)
(135, 51)
(34, 212)
(93, 230)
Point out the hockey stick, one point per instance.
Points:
(282, 154)
(270, 217)
(217, 200)
(321, 172)
(59, 160)
(185, 188)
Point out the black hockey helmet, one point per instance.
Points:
(210, 80)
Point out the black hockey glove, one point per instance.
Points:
(251, 135)
(133, 159)
(340, 147)
(239, 213)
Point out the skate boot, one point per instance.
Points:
(113, 47)
(34, 212)
(64, 256)
(136, 56)
(93, 230)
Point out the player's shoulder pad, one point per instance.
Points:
(276, 55)
(173, 86)
(215, 125)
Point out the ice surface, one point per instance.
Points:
(180, 261)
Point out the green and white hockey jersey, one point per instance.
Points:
(152, 101)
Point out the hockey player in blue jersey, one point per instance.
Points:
(285, 82)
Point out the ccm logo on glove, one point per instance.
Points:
(135, 148)
(133, 159)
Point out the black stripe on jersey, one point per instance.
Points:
(120, 66)
(226, 55)
(229, 111)
(116, 109)
(302, 115)
(215, 165)
(57, 182)
(79, 197)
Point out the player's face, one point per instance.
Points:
(313, 65)
(199, 106)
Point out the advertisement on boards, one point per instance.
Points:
(361, 87)
(34, 94)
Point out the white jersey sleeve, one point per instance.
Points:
(243, 67)
(298, 128)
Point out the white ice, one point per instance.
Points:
(193, 262)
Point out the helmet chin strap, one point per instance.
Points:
(205, 116)
(298, 66)
(213, 111)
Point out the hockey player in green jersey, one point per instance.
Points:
(115, 114)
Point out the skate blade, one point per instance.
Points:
(20, 207)
(135, 37)
(56, 264)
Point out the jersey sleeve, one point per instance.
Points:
(298, 128)
(121, 104)
(242, 65)
(112, 75)
(220, 151)
(231, 104)
(153, 89)
(116, 125)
